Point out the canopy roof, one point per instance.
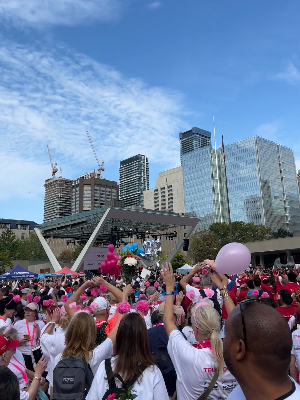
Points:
(119, 221)
(18, 273)
(67, 271)
(185, 268)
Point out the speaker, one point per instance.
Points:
(186, 243)
(113, 239)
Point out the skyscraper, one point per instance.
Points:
(193, 139)
(262, 184)
(168, 192)
(134, 180)
(90, 191)
(58, 198)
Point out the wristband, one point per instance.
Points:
(38, 379)
(169, 293)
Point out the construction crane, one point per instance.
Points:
(53, 166)
(100, 166)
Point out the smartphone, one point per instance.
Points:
(37, 354)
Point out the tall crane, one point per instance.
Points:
(100, 166)
(53, 166)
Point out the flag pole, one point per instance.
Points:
(226, 186)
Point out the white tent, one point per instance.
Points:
(184, 269)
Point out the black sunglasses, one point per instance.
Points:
(242, 305)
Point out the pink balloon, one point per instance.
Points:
(233, 259)
(111, 248)
(111, 263)
(103, 265)
(116, 257)
(110, 256)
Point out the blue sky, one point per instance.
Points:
(135, 73)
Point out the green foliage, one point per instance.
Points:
(242, 232)
(31, 249)
(178, 261)
(66, 256)
(204, 245)
(9, 243)
(77, 250)
(5, 261)
(282, 233)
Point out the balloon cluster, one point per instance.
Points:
(110, 265)
(134, 248)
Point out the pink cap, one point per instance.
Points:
(196, 279)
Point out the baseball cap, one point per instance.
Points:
(161, 309)
(102, 303)
(6, 344)
(26, 291)
(32, 306)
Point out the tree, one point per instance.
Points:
(31, 249)
(178, 261)
(77, 251)
(242, 232)
(9, 243)
(65, 255)
(282, 233)
(204, 245)
(5, 261)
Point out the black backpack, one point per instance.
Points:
(112, 388)
(72, 379)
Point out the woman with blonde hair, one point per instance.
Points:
(200, 368)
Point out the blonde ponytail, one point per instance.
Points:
(217, 348)
(207, 321)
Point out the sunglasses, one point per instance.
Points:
(243, 305)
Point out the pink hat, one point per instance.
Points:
(196, 279)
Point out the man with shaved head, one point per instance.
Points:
(257, 351)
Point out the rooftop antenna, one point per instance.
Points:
(53, 166)
(100, 166)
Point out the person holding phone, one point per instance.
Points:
(29, 333)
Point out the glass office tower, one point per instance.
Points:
(262, 184)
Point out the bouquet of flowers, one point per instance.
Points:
(129, 262)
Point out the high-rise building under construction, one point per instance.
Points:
(58, 198)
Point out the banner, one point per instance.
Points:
(94, 257)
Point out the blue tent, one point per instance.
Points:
(18, 273)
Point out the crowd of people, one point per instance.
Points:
(200, 336)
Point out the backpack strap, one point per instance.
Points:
(205, 394)
(109, 372)
(127, 385)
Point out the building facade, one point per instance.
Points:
(58, 198)
(193, 139)
(168, 192)
(20, 228)
(134, 180)
(261, 179)
(89, 191)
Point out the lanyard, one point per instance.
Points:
(99, 323)
(33, 332)
(25, 377)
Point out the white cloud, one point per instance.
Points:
(52, 97)
(290, 75)
(154, 5)
(270, 131)
(62, 12)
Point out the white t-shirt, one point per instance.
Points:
(147, 319)
(16, 364)
(21, 327)
(195, 369)
(5, 323)
(296, 345)
(237, 393)
(151, 387)
(101, 352)
(189, 334)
